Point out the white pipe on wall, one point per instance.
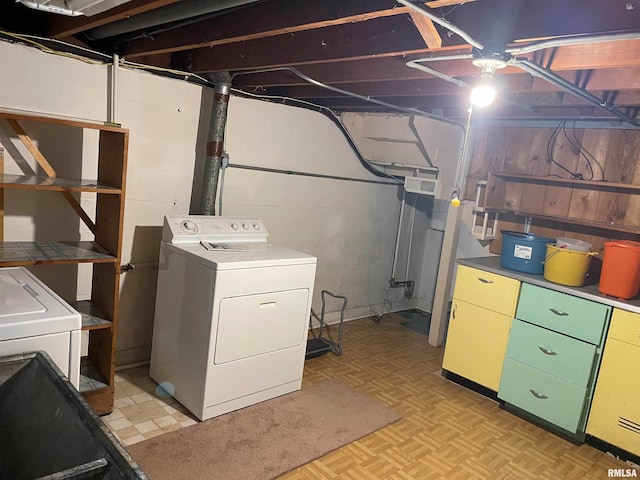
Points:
(113, 110)
(395, 254)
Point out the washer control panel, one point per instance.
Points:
(196, 228)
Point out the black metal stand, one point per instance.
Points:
(320, 345)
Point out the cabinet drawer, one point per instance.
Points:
(545, 396)
(563, 313)
(487, 290)
(625, 326)
(476, 343)
(557, 354)
(615, 411)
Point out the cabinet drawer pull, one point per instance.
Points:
(538, 395)
(453, 312)
(484, 280)
(546, 351)
(559, 312)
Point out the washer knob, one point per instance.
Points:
(256, 226)
(245, 226)
(234, 226)
(189, 227)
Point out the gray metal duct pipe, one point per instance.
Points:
(171, 13)
(215, 141)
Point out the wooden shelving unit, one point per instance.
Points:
(602, 205)
(100, 313)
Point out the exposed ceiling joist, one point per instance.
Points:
(363, 46)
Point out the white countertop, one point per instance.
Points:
(589, 291)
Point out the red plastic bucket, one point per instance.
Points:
(620, 276)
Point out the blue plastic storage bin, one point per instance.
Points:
(523, 252)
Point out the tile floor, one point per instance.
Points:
(142, 410)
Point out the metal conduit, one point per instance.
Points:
(327, 112)
(436, 73)
(350, 94)
(526, 65)
(561, 42)
(538, 71)
(457, 81)
(215, 142)
(442, 22)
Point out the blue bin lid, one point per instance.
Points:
(527, 236)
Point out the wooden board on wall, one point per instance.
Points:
(603, 156)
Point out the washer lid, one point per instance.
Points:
(29, 308)
(16, 298)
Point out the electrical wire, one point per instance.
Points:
(575, 143)
(26, 39)
(561, 128)
(108, 59)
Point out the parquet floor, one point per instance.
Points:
(447, 431)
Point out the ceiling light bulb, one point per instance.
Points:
(483, 95)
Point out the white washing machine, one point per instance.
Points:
(32, 317)
(232, 314)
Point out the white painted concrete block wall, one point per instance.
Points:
(392, 139)
(350, 226)
(163, 116)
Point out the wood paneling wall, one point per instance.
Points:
(598, 155)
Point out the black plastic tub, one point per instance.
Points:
(47, 430)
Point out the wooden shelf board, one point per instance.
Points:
(551, 180)
(571, 220)
(33, 253)
(54, 183)
(59, 120)
(90, 379)
(92, 316)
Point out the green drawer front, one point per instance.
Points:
(557, 354)
(545, 396)
(562, 313)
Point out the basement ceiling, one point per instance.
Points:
(340, 53)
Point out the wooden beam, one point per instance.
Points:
(534, 20)
(49, 170)
(446, 3)
(62, 27)
(264, 20)
(378, 39)
(427, 30)
(375, 38)
(1, 196)
(444, 280)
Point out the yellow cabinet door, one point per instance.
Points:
(476, 343)
(615, 411)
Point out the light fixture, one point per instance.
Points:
(483, 94)
(73, 8)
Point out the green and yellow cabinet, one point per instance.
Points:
(615, 411)
(564, 357)
(481, 312)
